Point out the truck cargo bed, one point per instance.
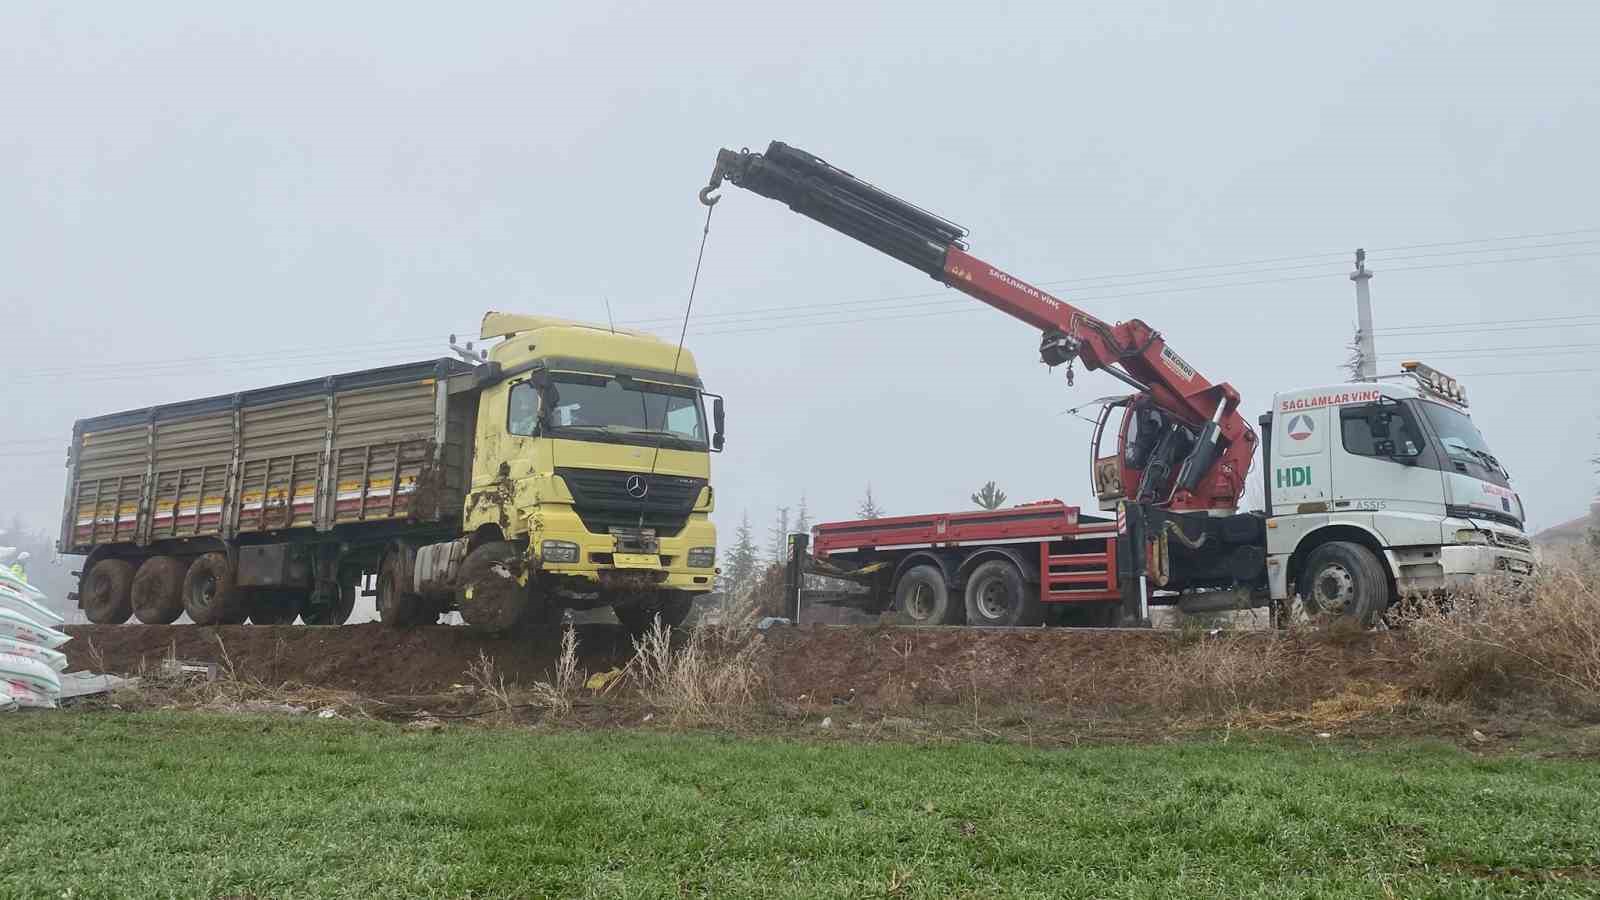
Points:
(373, 445)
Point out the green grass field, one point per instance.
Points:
(193, 805)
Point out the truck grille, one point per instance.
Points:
(600, 498)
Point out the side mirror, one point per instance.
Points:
(718, 421)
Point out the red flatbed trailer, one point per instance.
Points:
(1071, 557)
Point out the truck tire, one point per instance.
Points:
(398, 607)
(1346, 580)
(158, 590)
(209, 594)
(490, 591)
(921, 597)
(107, 593)
(338, 614)
(274, 606)
(998, 596)
(638, 617)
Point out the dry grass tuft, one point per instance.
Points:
(710, 676)
(1224, 674)
(1544, 640)
(557, 696)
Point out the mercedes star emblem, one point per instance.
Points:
(637, 487)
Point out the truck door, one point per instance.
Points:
(1299, 462)
(1381, 468)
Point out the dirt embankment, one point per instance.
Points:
(883, 667)
(369, 658)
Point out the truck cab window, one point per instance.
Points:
(1362, 430)
(522, 409)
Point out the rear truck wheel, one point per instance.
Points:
(921, 597)
(108, 592)
(316, 610)
(998, 596)
(209, 594)
(274, 606)
(639, 615)
(491, 592)
(1344, 580)
(158, 590)
(398, 607)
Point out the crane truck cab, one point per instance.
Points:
(1376, 490)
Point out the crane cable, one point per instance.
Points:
(683, 332)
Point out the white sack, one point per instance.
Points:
(29, 672)
(22, 695)
(12, 599)
(16, 625)
(55, 659)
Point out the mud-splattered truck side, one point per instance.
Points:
(570, 469)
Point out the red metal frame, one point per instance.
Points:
(1137, 349)
(1085, 571)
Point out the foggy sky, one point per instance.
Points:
(299, 189)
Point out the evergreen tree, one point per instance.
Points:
(989, 496)
(869, 508)
(778, 537)
(743, 560)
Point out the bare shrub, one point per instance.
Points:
(1220, 674)
(557, 696)
(1497, 642)
(489, 681)
(714, 673)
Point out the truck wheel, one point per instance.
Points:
(638, 617)
(491, 593)
(398, 607)
(1344, 579)
(158, 590)
(922, 598)
(108, 592)
(997, 595)
(274, 607)
(209, 594)
(337, 614)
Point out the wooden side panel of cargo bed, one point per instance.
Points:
(384, 452)
(111, 469)
(189, 488)
(280, 461)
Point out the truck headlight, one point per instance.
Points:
(702, 557)
(559, 551)
(1471, 536)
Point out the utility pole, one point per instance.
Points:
(1368, 362)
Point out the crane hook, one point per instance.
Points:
(705, 195)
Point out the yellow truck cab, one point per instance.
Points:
(566, 467)
(591, 458)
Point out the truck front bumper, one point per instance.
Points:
(1458, 567)
(601, 561)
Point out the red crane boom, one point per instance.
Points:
(1183, 443)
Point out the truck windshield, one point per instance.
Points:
(628, 411)
(1461, 439)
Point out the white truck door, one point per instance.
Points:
(1386, 476)
(1300, 472)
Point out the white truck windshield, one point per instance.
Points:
(1461, 439)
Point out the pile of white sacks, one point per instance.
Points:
(29, 662)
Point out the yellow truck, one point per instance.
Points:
(568, 467)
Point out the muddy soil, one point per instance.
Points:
(871, 667)
(370, 658)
